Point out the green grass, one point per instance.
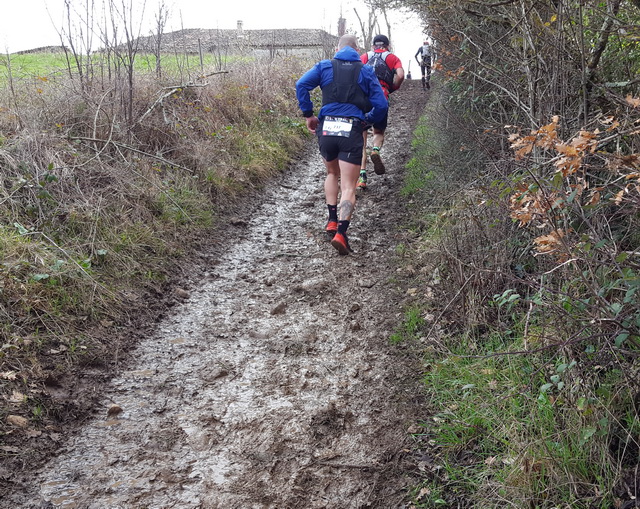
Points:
(554, 427)
(500, 417)
(33, 65)
(45, 66)
(418, 173)
(410, 327)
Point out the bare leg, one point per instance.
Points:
(348, 178)
(363, 165)
(378, 141)
(378, 138)
(362, 180)
(331, 182)
(341, 176)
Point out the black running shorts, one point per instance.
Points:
(382, 125)
(344, 148)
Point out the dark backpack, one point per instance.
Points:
(379, 63)
(344, 87)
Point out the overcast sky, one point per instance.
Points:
(27, 24)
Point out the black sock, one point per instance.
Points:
(342, 226)
(333, 212)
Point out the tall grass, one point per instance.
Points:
(98, 209)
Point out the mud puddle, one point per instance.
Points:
(273, 384)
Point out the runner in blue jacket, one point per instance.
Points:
(352, 99)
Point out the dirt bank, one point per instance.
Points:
(272, 384)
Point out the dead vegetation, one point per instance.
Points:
(99, 206)
(527, 178)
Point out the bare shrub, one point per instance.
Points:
(540, 235)
(100, 199)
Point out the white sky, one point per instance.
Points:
(28, 24)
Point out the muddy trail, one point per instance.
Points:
(272, 384)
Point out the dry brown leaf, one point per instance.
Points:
(17, 397)
(595, 198)
(567, 150)
(424, 492)
(634, 102)
(568, 165)
(18, 421)
(524, 151)
(586, 141)
(612, 121)
(548, 134)
(551, 243)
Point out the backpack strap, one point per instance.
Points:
(384, 55)
(384, 73)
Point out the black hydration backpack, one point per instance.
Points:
(379, 63)
(344, 88)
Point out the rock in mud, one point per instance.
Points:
(279, 309)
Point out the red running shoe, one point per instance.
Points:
(341, 243)
(331, 228)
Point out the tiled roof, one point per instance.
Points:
(194, 38)
(43, 49)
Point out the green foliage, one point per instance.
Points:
(529, 369)
(410, 328)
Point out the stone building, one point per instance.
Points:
(270, 43)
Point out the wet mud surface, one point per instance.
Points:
(272, 384)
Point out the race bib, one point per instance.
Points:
(336, 126)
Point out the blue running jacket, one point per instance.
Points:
(321, 74)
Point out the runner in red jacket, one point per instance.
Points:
(389, 71)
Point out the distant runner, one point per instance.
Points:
(425, 63)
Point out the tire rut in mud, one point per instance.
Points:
(273, 384)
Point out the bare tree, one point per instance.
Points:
(161, 17)
(76, 37)
(367, 27)
(123, 16)
(12, 87)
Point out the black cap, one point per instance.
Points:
(381, 38)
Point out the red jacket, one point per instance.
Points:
(392, 61)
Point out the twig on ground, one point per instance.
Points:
(133, 149)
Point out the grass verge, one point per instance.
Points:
(105, 197)
(528, 405)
